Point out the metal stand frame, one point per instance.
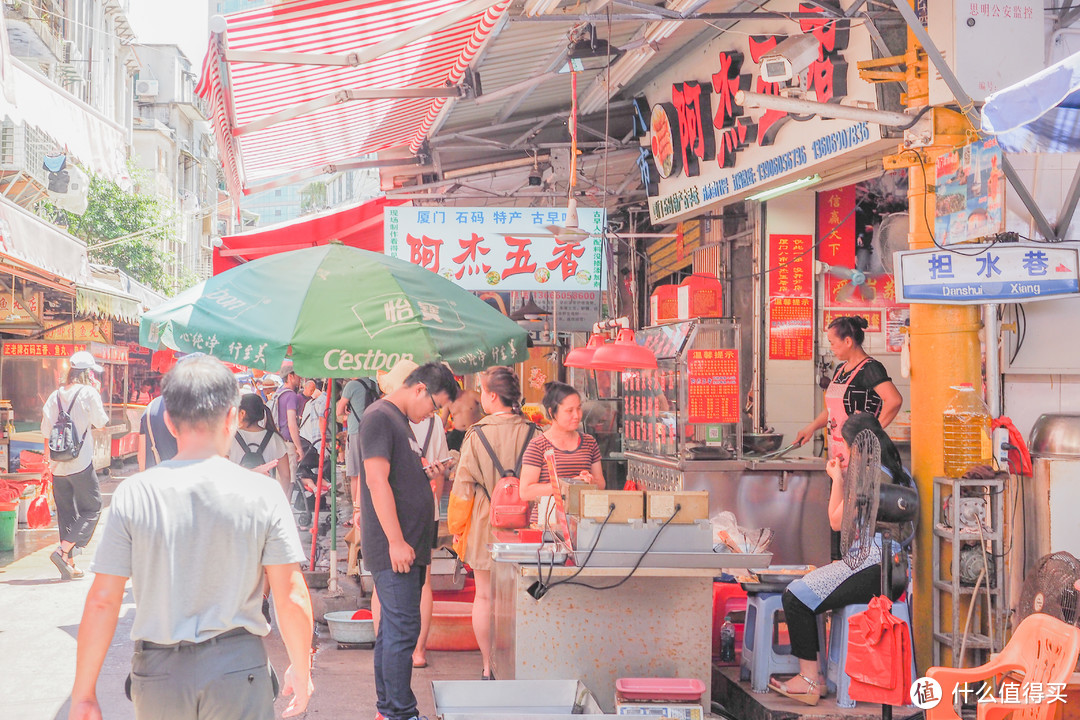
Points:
(949, 592)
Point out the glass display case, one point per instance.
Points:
(689, 407)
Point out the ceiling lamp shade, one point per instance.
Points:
(590, 53)
(624, 354)
(582, 357)
(529, 311)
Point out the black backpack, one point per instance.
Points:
(65, 443)
(253, 458)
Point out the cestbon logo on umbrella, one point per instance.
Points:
(338, 359)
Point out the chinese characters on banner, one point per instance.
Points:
(884, 288)
(791, 328)
(713, 386)
(499, 248)
(41, 349)
(836, 226)
(794, 263)
(873, 318)
(791, 303)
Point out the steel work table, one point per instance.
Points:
(658, 623)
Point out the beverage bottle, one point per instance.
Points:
(966, 432)
(727, 640)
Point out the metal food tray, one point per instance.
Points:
(528, 552)
(706, 560)
(514, 700)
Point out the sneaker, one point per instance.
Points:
(379, 715)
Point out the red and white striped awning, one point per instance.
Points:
(300, 87)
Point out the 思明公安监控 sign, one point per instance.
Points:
(706, 148)
(495, 248)
(999, 273)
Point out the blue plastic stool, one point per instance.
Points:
(836, 678)
(760, 658)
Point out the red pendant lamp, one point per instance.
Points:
(582, 357)
(624, 354)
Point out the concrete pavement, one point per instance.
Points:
(39, 623)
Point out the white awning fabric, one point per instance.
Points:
(96, 142)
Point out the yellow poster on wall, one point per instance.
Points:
(81, 331)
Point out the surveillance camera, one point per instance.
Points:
(789, 58)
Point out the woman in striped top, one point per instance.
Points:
(576, 453)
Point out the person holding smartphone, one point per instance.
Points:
(436, 458)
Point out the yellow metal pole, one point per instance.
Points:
(944, 342)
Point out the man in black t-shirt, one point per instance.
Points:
(397, 525)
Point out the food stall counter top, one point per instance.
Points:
(747, 463)
(527, 570)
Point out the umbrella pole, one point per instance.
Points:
(332, 586)
(318, 488)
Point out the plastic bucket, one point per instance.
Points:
(8, 522)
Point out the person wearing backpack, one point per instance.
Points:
(507, 432)
(356, 396)
(67, 417)
(255, 445)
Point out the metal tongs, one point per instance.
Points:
(778, 453)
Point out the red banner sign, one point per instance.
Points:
(713, 386)
(793, 261)
(836, 226)
(41, 349)
(791, 329)
(884, 292)
(873, 318)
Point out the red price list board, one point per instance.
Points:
(712, 386)
(793, 260)
(791, 329)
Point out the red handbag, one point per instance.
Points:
(38, 514)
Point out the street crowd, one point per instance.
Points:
(207, 532)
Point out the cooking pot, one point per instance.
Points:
(761, 443)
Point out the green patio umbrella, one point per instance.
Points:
(344, 312)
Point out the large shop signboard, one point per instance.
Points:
(712, 386)
(705, 148)
(497, 248)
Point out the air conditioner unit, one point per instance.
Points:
(67, 54)
(146, 88)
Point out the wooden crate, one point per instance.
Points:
(661, 504)
(629, 505)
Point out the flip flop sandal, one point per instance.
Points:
(810, 697)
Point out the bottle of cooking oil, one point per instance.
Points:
(967, 432)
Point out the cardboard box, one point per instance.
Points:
(664, 710)
(629, 505)
(661, 505)
(571, 490)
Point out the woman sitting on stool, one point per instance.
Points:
(834, 585)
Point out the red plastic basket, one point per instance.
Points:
(681, 689)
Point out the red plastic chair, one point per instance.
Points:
(1042, 653)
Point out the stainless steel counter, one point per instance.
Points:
(789, 496)
(656, 624)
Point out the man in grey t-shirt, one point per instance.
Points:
(197, 535)
(355, 398)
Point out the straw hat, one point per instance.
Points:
(390, 380)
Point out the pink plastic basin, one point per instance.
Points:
(682, 689)
(451, 627)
